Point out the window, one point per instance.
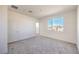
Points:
(56, 24)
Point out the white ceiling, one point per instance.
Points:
(39, 11)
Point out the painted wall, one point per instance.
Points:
(3, 29)
(69, 33)
(78, 27)
(21, 26)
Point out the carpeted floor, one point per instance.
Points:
(42, 45)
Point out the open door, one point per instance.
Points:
(37, 27)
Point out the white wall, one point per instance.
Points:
(78, 27)
(3, 29)
(20, 26)
(69, 33)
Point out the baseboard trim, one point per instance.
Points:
(43, 36)
(59, 40)
(22, 39)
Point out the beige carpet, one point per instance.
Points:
(42, 45)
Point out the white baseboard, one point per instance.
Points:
(58, 39)
(22, 39)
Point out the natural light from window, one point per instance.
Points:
(56, 24)
(37, 27)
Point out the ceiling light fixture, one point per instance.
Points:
(30, 11)
(15, 7)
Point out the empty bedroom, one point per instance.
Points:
(39, 29)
